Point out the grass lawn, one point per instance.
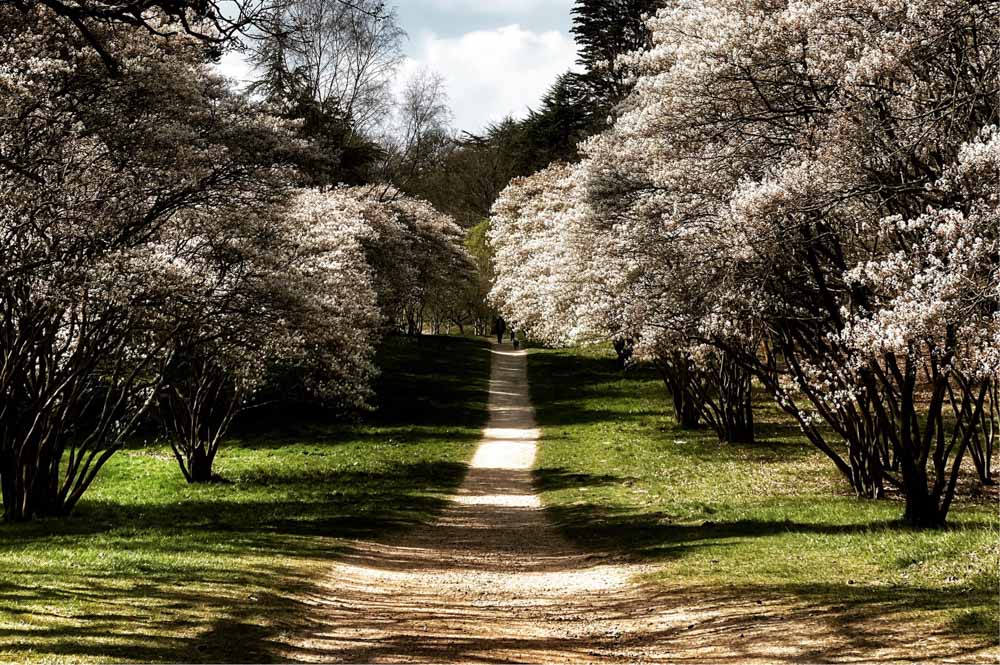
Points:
(150, 569)
(750, 522)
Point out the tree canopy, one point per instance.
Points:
(820, 216)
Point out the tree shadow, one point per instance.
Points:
(324, 503)
(425, 381)
(218, 573)
(183, 622)
(177, 607)
(661, 534)
(442, 381)
(550, 479)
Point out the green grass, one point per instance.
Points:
(763, 522)
(151, 569)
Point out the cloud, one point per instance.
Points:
(499, 7)
(234, 65)
(493, 73)
(490, 73)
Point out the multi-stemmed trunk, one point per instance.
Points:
(854, 422)
(725, 392)
(719, 394)
(65, 407)
(983, 442)
(198, 404)
(201, 462)
(892, 435)
(929, 445)
(45, 475)
(679, 376)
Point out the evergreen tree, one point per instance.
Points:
(605, 30)
(579, 105)
(565, 117)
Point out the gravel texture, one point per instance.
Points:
(493, 581)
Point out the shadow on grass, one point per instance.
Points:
(169, 603)
(662, 535)
(860, 613)
(569, 389)
(425, 381)
(146, 578)
(203, 627)
(561, 382)
(809, 623)
(870, 618)
(595, 416)
(548, 480)
(342, 504)
(442, 381)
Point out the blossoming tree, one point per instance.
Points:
(418, 257)
(807, 189)
(287, 287)
(97, 172)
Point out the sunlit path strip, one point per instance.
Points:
(492, 580)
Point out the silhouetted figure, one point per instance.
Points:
(500, 329)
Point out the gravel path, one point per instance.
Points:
(493, 581)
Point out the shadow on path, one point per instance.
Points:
(494, 581)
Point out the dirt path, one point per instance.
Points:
(493, 581)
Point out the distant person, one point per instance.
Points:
(500, 329)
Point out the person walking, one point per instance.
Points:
(501, 328)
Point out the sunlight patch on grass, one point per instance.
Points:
(150, 569)
(772, 518)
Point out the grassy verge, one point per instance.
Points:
(150, 569)
(755, 522)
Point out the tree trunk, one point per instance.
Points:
(922, 509)
(981, 445)
(44, 497)
(981, 452)
(624, 350)
(678, 377)
(45, 500)
(12, 502)
(686, 410)
(32, 491)
(200, 463)
(867, 472)
(739, 426)
(728, 399)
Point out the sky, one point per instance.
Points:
(498, 57)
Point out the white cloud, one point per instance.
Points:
(502, 7)
(234, 65)
(490, 74)
(493, 73)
